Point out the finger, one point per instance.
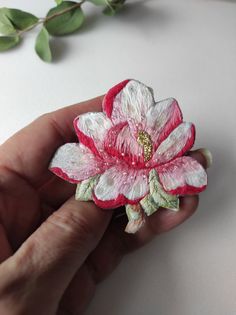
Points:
(5, 247)
(79, 292)
(116, 243)
(56, 192)
(203, 156)
(55, 252)
(30, 150)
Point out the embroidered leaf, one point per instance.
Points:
(6, 27)
(67, 22)
(149, 205)
(42, 47)
(136, 218)
(84, 190)
(8, 42)
(158, 197)
(20, 19)
(162, 198)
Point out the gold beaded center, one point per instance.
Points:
(144, 139)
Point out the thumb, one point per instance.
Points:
(53, 253)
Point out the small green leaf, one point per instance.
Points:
(58, 2)
(20, 19)
(42, 46)
(149, 205)
(161, 197)
(8, 42)
(158, 197)
(113, 6)
(66, 23)
(6, 27)
(98, 2)
(136, 218)
(84, 190)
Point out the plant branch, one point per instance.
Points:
(43, 20)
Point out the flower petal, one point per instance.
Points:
(162, 119)
(183, 175)
(120, 185)
(74, 162)
(130, 104)
(91, 129)
(110, 96)
(122, 144)
(176, 144)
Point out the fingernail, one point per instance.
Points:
(207, 155)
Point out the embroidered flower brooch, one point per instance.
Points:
(132, 154)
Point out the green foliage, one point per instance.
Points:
(20, 19)
(113, 6)
(6, 27)
(42, 46)
(66, 23)
(8, 42)
(84, 190)
(58, 1)
(65, 18)
(158, 197)
(98, 2)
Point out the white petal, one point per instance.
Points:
(75, 162)
(183, 175)
(94, 126)
(117, 181)
(179, 141)
(133, 102)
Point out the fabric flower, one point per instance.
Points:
(132, 154)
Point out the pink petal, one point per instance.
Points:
(91, 129)
(180, 140)
(130, 104)
(74, 162)
(183, 175)
(111, 95)
(120, 185)
(162, 119)
(121, 143)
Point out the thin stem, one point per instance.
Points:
(43, 20)
(63, 11)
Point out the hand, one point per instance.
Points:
(53, 249)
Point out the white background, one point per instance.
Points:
(185, 49)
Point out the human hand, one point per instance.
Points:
(53, 249)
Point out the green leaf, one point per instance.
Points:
(66, 23)
(149, 205)
(98, 2)
(6, 27)
(20, 19)
(84, 190)
(8, 42)
(158, 197)
(113, 6)
(42, 46)
(58, 2)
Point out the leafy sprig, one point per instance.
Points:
(65, 18)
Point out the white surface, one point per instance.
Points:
(185, 49)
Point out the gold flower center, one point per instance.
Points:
(144, 139)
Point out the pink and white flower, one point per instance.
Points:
(132, 136)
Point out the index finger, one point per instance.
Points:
(30, 150)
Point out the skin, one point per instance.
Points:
(55, 250)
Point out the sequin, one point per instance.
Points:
(144, 139)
